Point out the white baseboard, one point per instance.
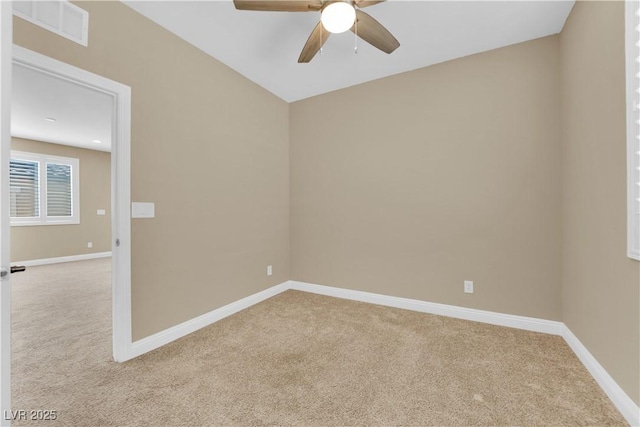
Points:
(168, 335)
(509, 320)
(627, 407)
(57, 260)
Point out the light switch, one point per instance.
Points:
(143, 210)
(102, 212)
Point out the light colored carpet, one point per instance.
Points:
(297, 358)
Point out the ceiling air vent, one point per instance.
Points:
(60, 17)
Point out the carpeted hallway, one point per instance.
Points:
(297, 358)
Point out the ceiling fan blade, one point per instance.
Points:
(279, 5)
(367, 3)
(315, 41)
(374, 33)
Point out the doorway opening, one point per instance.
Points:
(60, 209)
(97, 223)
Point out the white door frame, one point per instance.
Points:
(6, 43)
(120, 184)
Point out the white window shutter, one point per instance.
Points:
(59, 190)
(24, 188)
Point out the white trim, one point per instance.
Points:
(121, 222)
(71, 258)
(627, 407)
(6, 44)
(120, 182)
(168, 335)
(509, 320)
(632, 8)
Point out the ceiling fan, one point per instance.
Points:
(337, 16)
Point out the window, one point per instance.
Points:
(633, 127)
(43, 189)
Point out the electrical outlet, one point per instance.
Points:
(90, 245)
(269, 270)
(468, 287)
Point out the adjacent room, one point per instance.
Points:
(427, 214)
(60, 202)
(60, 177)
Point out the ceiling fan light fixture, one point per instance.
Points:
(338, 17)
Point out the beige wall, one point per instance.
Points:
(409, 185)
(601, 286)
(209, 147)
(51, 241)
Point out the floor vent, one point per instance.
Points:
(59, 16)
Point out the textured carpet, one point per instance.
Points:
(297, 358)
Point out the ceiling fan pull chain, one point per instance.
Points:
(320, 42)
(355, 34)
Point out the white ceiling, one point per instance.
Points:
(264, 46)
(82, 114)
